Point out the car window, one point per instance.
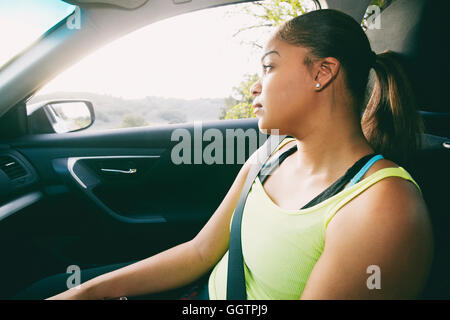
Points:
(197, 66)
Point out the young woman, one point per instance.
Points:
(336, 217)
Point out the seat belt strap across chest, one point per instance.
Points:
(236, 289)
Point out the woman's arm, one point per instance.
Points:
(174, 267)
(379, 246)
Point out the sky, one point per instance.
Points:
(189, 56)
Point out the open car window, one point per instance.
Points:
(197, 66)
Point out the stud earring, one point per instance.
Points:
(317, 85)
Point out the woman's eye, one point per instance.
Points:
(265, 67)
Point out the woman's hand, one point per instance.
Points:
(72, 294)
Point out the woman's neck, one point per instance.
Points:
(329, 154)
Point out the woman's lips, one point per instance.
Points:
(256, 107)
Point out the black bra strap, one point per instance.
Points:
(274, 163)
(339, 184)
(335, 188)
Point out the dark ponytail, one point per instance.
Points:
(391, 122)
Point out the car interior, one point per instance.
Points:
(61, 205)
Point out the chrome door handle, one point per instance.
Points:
(120, 171)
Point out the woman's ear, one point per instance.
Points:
(326, 71)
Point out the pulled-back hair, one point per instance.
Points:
(391, 122)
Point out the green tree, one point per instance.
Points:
(133, 120)
(172, 116)
(274, 13)
(240, 106)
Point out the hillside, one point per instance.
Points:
(116, 112)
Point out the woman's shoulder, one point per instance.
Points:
(392, 196)
(389, 181)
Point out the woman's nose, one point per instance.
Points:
(255, 89)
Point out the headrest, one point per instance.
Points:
(418, 31)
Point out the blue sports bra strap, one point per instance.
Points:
(364, 169)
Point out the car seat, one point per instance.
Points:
(413, 29)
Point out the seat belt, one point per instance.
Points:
(236, 278)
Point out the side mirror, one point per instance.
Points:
(60, 116)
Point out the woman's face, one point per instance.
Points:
(285, 89)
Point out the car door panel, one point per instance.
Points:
(91, 217)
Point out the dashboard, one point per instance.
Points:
(17, 179)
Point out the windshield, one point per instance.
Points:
(23, 21)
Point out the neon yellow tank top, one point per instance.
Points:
(281, 247)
